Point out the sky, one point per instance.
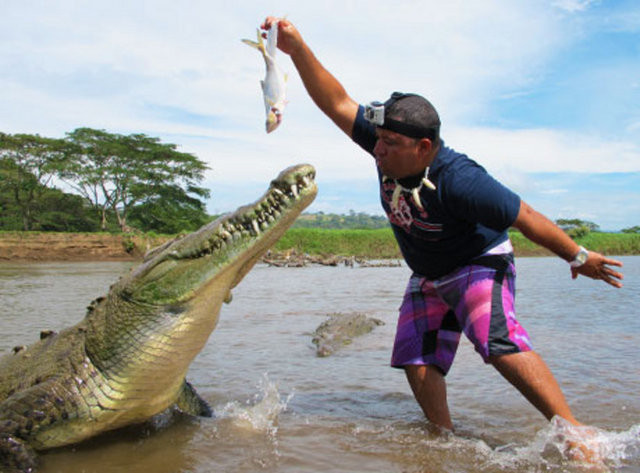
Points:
(545, 94)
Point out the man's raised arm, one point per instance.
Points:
(325, 90)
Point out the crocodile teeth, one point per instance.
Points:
(255, 226)
(294, 190)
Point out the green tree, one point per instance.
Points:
(152, 171)
(28, 163)
(9, 211)
(568, 223)
(634, 229)
(169, 211)
(577, 228)
(117, 172)
(58, 211)
(92, 155)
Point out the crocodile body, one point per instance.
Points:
(126, 361)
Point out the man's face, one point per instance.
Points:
(397, 155)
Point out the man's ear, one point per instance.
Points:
(425, 145)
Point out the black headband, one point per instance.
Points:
(412, 131)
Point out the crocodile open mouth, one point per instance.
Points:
(294, 187)
(173, 271)
(283, 194)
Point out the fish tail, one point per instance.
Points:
(259, 45)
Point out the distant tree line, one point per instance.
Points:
(353, 220)
(577, 228)
(120, 181)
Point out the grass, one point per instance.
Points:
(372, 244)
(381, 244)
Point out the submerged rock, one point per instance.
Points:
(340, 330)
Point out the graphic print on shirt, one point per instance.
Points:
(403, 215)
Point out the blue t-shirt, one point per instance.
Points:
(467, 214)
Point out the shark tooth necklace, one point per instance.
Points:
(414, 191)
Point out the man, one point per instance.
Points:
(450, 219)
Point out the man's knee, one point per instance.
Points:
(429, 388)
(425, 379)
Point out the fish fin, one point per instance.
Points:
(190, 402)
(253, 44)
(259, 45)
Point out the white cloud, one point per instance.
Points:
(573, 6)
(180, 72)
(510, 154)
(190, 56)
(554, 191)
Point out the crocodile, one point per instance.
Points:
(127, 359)
(340, 329)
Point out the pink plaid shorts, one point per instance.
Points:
(477, 299)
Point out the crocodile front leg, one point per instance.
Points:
(16, 455)
(27, 413)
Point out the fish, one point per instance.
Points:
(274, 83)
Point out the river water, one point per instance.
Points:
(280, 408)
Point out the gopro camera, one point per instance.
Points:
(374, 113)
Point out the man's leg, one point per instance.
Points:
(531, 376)
(430, 390)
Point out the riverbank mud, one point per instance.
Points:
(19, 246)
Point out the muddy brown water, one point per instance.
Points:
(280, 408)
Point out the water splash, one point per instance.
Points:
(549, 451)
(561, 445)
(259, 414)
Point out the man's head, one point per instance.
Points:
(412, 115)
(408, 129)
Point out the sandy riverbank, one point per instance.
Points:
(41, 247)
(17, 246)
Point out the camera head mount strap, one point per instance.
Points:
(375, 113)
